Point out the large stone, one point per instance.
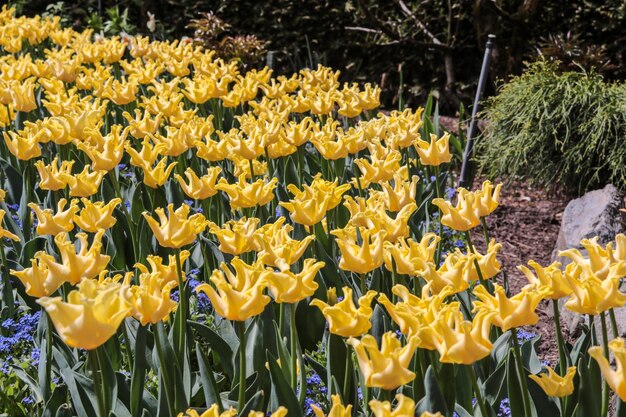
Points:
(597, 213)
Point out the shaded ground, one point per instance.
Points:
(527, 224)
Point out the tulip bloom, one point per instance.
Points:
(245, 195)
(151, 301)
(52, 177)
(343, 318)
(462, 217)
(401, 194)
(487, 199)
(5, 233)
(555, 385)
(179, 229)
(405, 407)
(550, 277)
(96, 216)
(406, 255)
(591, 295)
(168, 273)
(239, 294)
(615, 378)
(387, 367)
(435, 152)
(236, 236)
(154, 177)
(363, 258)
(277, 248)
(337, 409)
(50, 223)
(516, 311)
(289, 287)
(85, 184)
(463, 342)
(37, 279)
(199, 188)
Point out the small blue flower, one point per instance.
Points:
(523, 336)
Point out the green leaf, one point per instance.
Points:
(139, 371)
(209, 386)
(284, 393)
(516, 403)
(219, 346)
(253, 404)
(433, 400)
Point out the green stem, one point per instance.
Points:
(559, 338)
(97, 381)
(165, 376)
(241, 330)
(483, 222)
(605, 347)
(346, 372)
(182, 317)
(363, 287)
(614, 328)
(470, 248)
(521, 372)
(293, 335)
(438, 192)
(479, 396)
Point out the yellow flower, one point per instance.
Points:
(277, 248)
(168, 272)
(155, 177)
(142, 125)
(406, 255)
(436, 152)
(289, 287)
(212, 151)
(462, 217)
(37, 280)
(550, 277)
(555, 385)
(108, 151)
(429, 414)
(52, 177)
(213, 411)
(401, 194)
(337, 409)
(452, 274)
(179, 229)
(239, 295)
(487, 199)
(616, 379)
(516, 311)
(600, 261)
(151, 300)
(363, 258)
(591, 295)
(343, 318)
(378, 220)
(384, 164)
(488, 263)
(245, 195)
(405, 407)
(461, 341)
(23, 95)
(50, 223)
(87, 263)
(387, 367)
(147, 155)
(86, 183)
(24, 148)
(199, 188)
(91, 315)
(96, 216)
(236, 236)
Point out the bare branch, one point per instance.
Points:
(417, 22)
(361, 29)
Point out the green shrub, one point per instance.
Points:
(566, 129)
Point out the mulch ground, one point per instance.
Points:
(527, 224)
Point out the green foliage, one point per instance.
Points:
(557, 128)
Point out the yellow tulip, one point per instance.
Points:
(179, 229)
(86, 183)
(487, 199)
(555, 385)
(199, 188)
(591, 295)
(488, 263)
(387, 367)
(277, 248)
(516, 311)
(550, 277)
(96, 216)
(156, 176)
(213, 411)
(378, 220)
(337, 409)
(406, 255)
(212, 151)
(462, 217)
(108, 153)
(142, 124)
(91, 315)
(615, 378)
(239, 295)
(384, 164)
(37, 280)
(308, 207)
(151, 300)
(600, 261)
(168, 273)
(50, 223)
(435, 152)
(52, 177)
(290, 287)
(452, 274)
(245, 195)
(363, 258)
(463, 342)
(343, 318)
(23, 95)
(401, 194)
(147, 155)
(24, 148)
(236, 236)
(87, 263)
(405, 407)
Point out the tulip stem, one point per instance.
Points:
(479, 396)
(483, 222)
(471, 249)
(521, 372)
(438, 193)
(182, 301)
(241, 330)
(363, 288)
(95, 374)
(605, 347)
(294, 340)
(559, 338)
(614, 329)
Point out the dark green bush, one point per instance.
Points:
(566, 129)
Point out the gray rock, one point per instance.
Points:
(594, 214)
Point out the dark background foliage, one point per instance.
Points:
(410, 48)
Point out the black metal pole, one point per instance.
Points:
(464, 181)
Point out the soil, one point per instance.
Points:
(527, 223)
